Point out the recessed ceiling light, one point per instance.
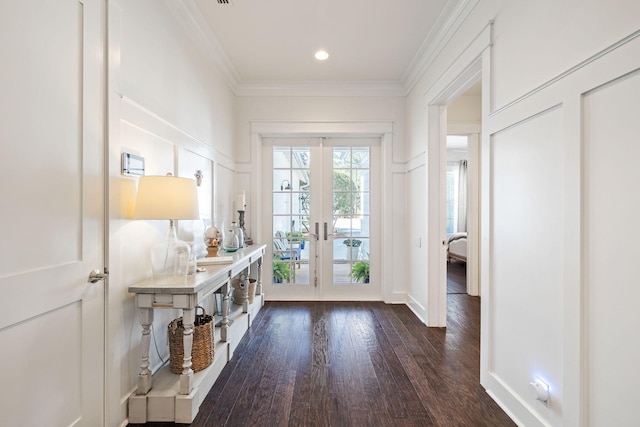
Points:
(321, 55)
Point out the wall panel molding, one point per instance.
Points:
(619, 45)
(609, 271)
(566, 92)
(144, 118)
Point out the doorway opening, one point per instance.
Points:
(461, 198)
(457, 202)
(463, 128)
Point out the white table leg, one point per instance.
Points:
(144, 378)
(224, 329)
(186, 379)
(244, 279)
(259, 278)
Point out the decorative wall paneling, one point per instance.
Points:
(610, 263)
(554, 269)
(525, 289)
(416, 225)
(166, 148)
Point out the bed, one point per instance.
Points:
(457, 247)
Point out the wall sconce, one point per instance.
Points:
(199, 175)
(285, 187)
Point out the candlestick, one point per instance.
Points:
(247, 240)
(241, 201)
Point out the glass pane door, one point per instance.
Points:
(291, 195)
(322, 229)
(350, 214)
(347, 251)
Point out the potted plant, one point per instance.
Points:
(281, 271)
(296, 237)
(353, 247)
(354, 243)
(360, 271)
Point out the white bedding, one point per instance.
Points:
(458, 247)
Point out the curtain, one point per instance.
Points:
(462, 196)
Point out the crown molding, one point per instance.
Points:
(190, 17)
(194, 24)
(320, 88)
(447, 24)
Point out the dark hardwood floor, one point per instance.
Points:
(354, 364)
(457, 277)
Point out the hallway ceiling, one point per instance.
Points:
(369, 41)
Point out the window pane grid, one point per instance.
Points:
(351, 219)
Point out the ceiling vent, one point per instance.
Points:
(225, 1)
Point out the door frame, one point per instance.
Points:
(436, 176)
(329, 129)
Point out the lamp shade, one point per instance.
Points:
(166, 197)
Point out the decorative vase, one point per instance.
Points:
(170, 258)
(230, 242)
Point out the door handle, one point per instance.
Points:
(326, 231)
(95, 276)
(316, 234)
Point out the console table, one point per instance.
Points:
(165, 396)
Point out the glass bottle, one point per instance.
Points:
(230, 242)
(238, 232)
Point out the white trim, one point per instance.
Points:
(320, 88)
(570, 71)
(416, 162)
(564, 91)
(418, 309)
(320, 128)
(464, 69)
(143, 118)
(190, 17)
(378, 129)
(434, 44)
(195, 26)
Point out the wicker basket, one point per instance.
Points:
(202, 349)
(238, 291)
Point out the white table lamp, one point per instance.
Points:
(172, 198)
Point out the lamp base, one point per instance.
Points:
(170, 258)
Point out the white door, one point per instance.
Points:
(52, 193)
(323, 195)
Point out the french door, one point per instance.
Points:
(323, 197)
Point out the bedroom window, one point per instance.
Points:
(452, 197)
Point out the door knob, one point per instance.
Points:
(95, 276)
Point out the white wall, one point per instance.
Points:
(169, 105)
(465, 109)
(551, 281)
(611, 291)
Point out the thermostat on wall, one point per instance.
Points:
(132, 164)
